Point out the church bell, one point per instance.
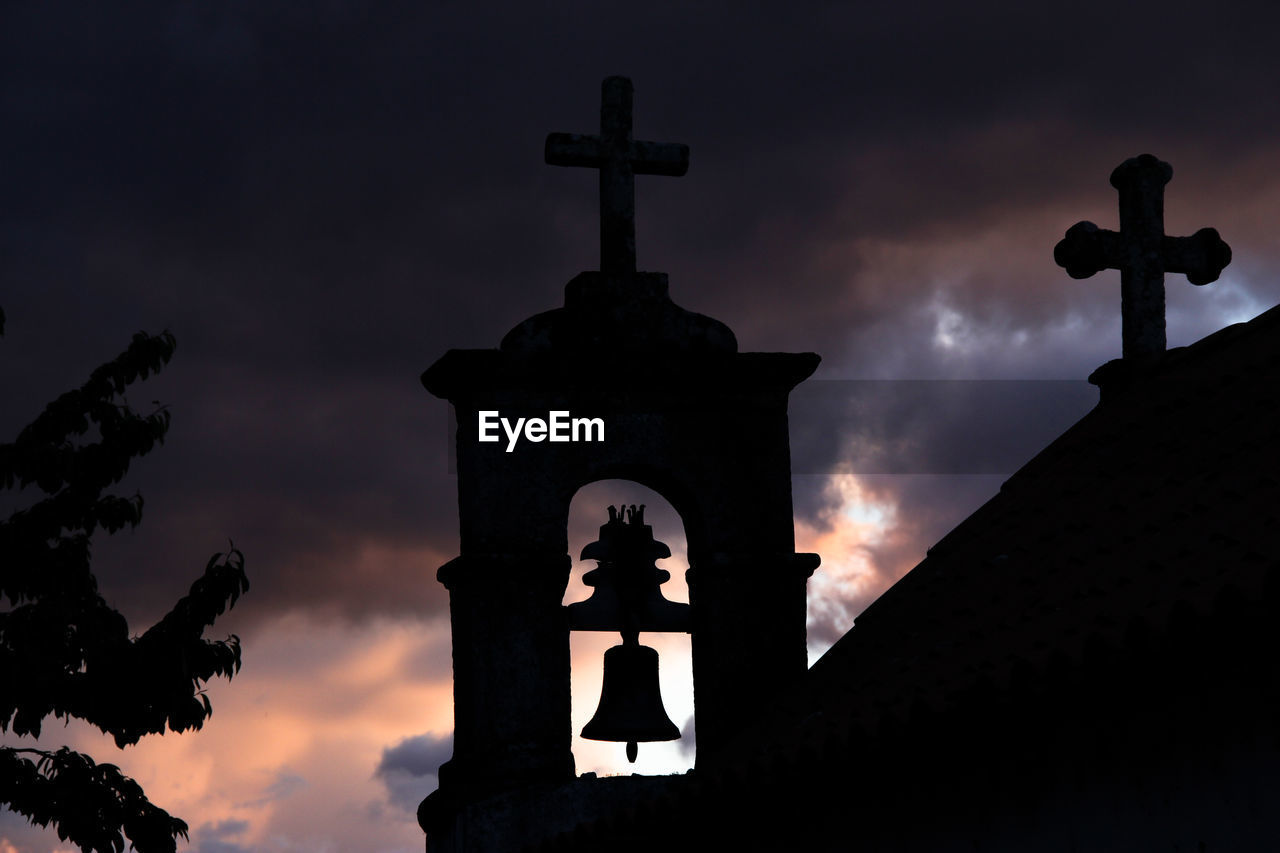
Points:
(630, 707)
(627, 599)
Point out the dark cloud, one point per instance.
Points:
(403, 767)
(222, 829)
(214, 838)
(321, 201)
(286, 784)
(221, 847)
(923, 426)
(420, 755)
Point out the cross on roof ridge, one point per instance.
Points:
(1143, 254)
(619, 158)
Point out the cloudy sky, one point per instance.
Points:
(320, 199)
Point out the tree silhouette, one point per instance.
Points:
(63, 650)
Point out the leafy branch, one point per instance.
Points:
(63, 650)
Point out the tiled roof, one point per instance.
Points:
(1156, 513)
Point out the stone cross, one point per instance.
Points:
(1142, 253)
(619, 159)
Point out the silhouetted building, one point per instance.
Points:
(1088, 662)
(681, 411)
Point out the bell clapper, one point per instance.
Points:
(633, 749)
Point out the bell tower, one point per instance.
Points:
(664, 398)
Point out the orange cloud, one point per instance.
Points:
(290, 752)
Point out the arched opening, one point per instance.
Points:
(587, 512)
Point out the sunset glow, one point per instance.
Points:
(318, 219)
